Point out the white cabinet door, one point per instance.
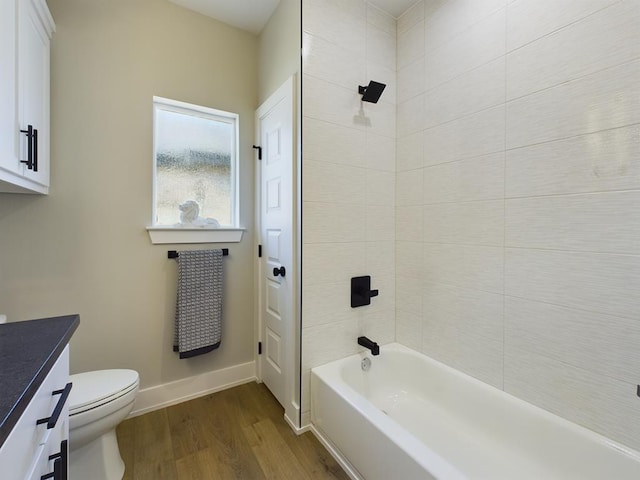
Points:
(33, 90)
(8, 119)
(26, 27)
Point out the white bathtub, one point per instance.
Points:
(411, 417)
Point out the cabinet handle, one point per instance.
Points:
(57, 471)
(29, 160)
(63, 457)
(53, 419)
(35, 149)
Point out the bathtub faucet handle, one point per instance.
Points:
(370, 344)
(361, 292)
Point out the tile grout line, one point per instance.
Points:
(504, 208)
(566, 25)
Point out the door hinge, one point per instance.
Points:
(259, 348)
(259, 251)
(259, 151)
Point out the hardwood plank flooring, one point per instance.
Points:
(239, 433)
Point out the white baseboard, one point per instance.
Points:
(160, 396)
(349, 469)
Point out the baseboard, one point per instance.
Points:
(160, 396)
(349, 469)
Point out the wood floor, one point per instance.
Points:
(238, 433)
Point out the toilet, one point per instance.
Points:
(98, 402)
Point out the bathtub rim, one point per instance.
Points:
(364, 407)
(412, 446)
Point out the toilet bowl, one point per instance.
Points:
(98, 402)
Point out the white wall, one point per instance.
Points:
(348, 179)
(518, 195)
(84, 247)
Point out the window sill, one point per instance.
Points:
(162, 235)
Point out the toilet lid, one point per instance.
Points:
(96, 387)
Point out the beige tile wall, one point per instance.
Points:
(512, 201)
(518, 199)
(349, 179)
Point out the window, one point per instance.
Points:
(195, 160)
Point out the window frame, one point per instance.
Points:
(185, 108)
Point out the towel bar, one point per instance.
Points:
(174, 254)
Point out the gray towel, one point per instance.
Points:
(198, 321)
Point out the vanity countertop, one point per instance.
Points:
(28, 350)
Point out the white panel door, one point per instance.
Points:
(275, 127)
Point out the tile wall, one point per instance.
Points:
(349, 179)
(518, 199)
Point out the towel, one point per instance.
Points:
(198, 321)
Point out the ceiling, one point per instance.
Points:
(252, 15)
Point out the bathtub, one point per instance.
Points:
(411, 417)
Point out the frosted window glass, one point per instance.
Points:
(194, 155)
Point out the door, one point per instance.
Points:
(274, 123)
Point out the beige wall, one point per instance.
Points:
(84, 248)
(279, 48)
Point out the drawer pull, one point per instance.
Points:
(63, 458)
(53, 419)
(57, 471)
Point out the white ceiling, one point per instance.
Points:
(252, 15)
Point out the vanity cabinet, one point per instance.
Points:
(26, 27)
(38, 444)
(34, 410)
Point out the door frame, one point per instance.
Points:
(287, 92)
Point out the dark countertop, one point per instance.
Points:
(28, 350)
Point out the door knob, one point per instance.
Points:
(279, 271)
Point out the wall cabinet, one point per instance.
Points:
(38, 444)
(26, 27)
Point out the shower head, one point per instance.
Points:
(371, 93)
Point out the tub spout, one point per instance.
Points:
(370, 344)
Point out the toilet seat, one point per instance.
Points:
(94, 389)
